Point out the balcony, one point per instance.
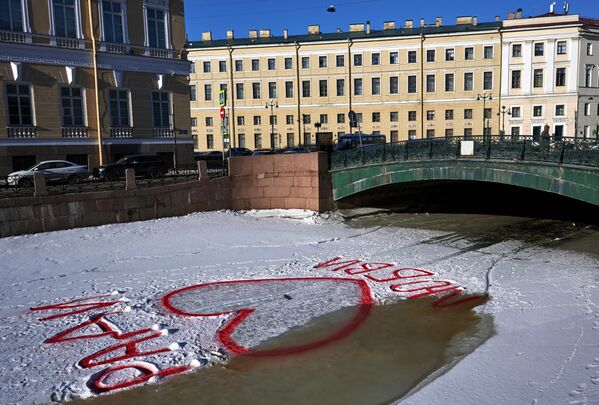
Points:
(121, 132)
(159, 53)
(113, 47)
(20, 132)
(64, 42)
(163, 133)
(74, 132)
(14, 36)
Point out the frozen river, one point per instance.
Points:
(224, 308)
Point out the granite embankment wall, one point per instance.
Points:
(256, 182)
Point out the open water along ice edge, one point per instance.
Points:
(87, 312)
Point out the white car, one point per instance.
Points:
(56, 171)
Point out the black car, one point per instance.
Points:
(145, 165)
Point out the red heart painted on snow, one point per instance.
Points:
(181, 302)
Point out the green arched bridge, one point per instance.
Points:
(569, 167)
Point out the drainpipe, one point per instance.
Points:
(500, 79)
(422, 39)
(96, 90)
(349, 64)
(233, 123)
(298, 95)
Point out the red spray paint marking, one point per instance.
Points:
(98, 320)
(441, 302)
(225, 333)
(74, 304)
(147, 372)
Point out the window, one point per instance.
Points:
(209, 121)
(192, 67)
(207, 92)
(468, 81)
(258, 141)
(305, 62)
(587, 109)
(238, 65)
(487, 80)
(324, 119)
(272, 120)
(156, 28)
(358, 91)
(430, 83)
(516, 76)
(448, 115)
(72, 106)
(588, 74)
(469, 53)
(411, 115)
(560, 110)
(322, 61)
(411, 56)
(538, 78)
(448, 132)
(256, 91)
(561, 47)
(488, 112)
(450, 54)
(376, 86)
(271, 64)
(306, 118)
(560, 77)
(340, 61)
(323, 88)
(206, 67)
(255, 65)
(65, 19)
(223, 87)
(239, 91)
(488, 52)
(468, 113)
(192, 92)
(241, 140)
(539, 48)
(305, 88)
(516, 112)
(430, 115)
(222, 66)
(119, 108)
(257, 120)
(376, 117)
(290, 140)
(590, 49)
(467, 133)
(394, 85)
(586, 132)
(394, 136)
(289, 119)
(412, 134)
(516, 50)
(112, 21)
(430, 133)
(537, 111)
(340, 87)
(288, 63)
(357, 60)
(430, 55)
(359, 118)
(194, 122)
(393, 58)
(288, 89)
(209, 141)
(449, 82)
(411, 84)
(340, 118)
(515, 131)
(375, 58)
(272, 89)
(240, 120)
(393, 116)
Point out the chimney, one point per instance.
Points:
(285, 33)
(368, 27)
(230, 34)
(497, 18)
(422, 22)
(511, 15)
(438, 22)
(253, 33)
(518, 14)
(207, 36)
(475, 20)
(356, 27)
(264, 33)
(409, 23)
(463, 20)
(313, 29)
(389, 25)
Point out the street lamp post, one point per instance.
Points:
(484, 98)
(504, 110)
(174, 134)
(272, 105)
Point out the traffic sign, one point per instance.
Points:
(222, 112)
(222, 98)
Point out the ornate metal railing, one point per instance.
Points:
(121, 132)
(163, 133)
(576, 151)
(74, 132)
(20, 132)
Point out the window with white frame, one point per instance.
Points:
(537, 111)
(560, 110)
(590, 49)
(18, 102)
(72, 106)
(588, 75)
(112, 21)
(11, 16)
(561, 47)
(587, 109)
(161, 109)
(65, 18)
(119, 108)
(516, 112)
(156, 26)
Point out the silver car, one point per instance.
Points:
(56, 171)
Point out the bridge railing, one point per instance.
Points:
(577, 151)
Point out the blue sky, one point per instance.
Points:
(242, 15)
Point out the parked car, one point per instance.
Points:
(259, 152)
(239, 152)
(297, 149)
(211, 155)
(145, 165)
(56, 171)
